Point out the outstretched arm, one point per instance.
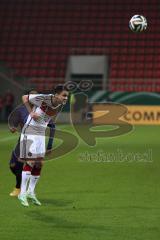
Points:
(14, 120)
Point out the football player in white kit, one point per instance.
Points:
(32, 141)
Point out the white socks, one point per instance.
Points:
(25, 178)
(32, 183)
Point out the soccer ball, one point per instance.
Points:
(138, 23)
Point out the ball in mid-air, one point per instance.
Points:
(138, 23)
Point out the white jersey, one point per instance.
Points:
(42, 121)
(41, 104)
(38, 99)
(32, 141)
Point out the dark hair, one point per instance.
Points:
(59, 88)
(30, 91)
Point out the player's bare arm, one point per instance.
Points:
(13, 130)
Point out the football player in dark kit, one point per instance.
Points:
(17, 120)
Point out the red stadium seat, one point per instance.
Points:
(39, 43)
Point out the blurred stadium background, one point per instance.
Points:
(47, 42)
(44, 43)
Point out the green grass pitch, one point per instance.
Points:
(85, 198)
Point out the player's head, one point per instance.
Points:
(61, 93)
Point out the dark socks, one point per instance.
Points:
(18, 175)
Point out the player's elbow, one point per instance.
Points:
(13, 129)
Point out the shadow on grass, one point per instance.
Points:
(57, 222)
(52, 220)
(56, 202)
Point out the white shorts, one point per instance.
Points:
(32, 146)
